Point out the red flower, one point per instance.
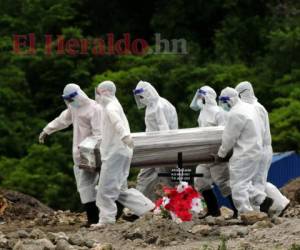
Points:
(158, 203)
(180, 203)
(184, 215)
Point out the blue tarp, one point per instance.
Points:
(279, 156)
(285, 167)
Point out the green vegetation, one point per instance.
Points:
(227, 42)
(222, 245)
(295, 247)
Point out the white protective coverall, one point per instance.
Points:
(160, 115)
(242, 134)
(85, 116)
(246, 93)
(116, 155)
(211, 115)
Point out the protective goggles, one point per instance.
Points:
(138, 91)
(224, 99)
(70, 97)
(201, 92)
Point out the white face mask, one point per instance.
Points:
(104, 99)
(143, 100)
(225, 106)
(75, 104)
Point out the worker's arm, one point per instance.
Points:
(63, 121)
(267, 140)
(117, 123)
(161, 120)
(96, 121)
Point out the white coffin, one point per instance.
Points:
(158, 149)
(161, 148)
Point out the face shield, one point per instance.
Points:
(70, 99)
(224, 103)
(139, 98)
(198, 100)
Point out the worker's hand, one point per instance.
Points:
(127, 140)
(217, 158)
(42, 137)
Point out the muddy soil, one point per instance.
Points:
(31, 225)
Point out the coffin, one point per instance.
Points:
(161, 148)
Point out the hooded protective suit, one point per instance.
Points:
(160, 115)
(242, 133)
(116, 155)
(246, 93)
(211, 115)
(85, 116)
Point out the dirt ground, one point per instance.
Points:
(31, 225)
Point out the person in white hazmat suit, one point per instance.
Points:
(211, 115)
(160, 115)
(246, 94)
(85, 116)
(242, 133)
(116, 153)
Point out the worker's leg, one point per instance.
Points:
(220, 176)
(260, 177)
(258, 194)
(204, 185)
(112, 176)
(86, 185)
(241, 175)
(280, 202)
(133, 199)
(146, 181)
(205, 182)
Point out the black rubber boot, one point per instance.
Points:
(130, 218)
(265, 206)
(283, 210)
(235, 212)
(120, 208)
(92, 213)
(211, 203)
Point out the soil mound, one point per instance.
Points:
(292, 191)
(18, 206)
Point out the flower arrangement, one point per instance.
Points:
(180, 203)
